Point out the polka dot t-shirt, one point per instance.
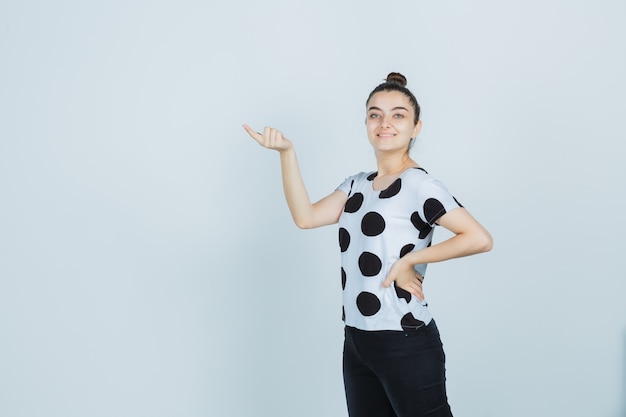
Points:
(376, 228)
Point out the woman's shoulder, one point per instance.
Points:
(420, 178)
(417, 170)
(363, 176)
(417, 174)
(355, 180)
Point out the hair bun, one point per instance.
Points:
(397, 78)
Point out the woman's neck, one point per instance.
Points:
(393, 164)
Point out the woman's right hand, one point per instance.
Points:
(270, 138)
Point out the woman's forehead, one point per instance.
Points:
(389, 99)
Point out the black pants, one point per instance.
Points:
(395, 373)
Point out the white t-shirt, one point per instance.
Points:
(376, 228)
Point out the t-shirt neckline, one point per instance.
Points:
(374, 174)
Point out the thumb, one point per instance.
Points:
(253, 133)
(387, 282)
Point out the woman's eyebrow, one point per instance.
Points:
(395, 108)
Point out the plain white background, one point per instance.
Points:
(148, 264)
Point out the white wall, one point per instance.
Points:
(148, 265)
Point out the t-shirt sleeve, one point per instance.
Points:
(436, 200)
(346, 185)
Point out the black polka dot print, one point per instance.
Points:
(344, 239)
(392, 190)
(375, 229)
(433, 209)
(409, 322)
(369, 264)
(406, 249)
(367, 303)
(423, 227)
(402, 293)
(354, 203)
(372, 224)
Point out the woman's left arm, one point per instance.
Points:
(470, 238)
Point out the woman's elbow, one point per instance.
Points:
(484, 243)
(303, 224)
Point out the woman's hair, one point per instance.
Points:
(397, 82)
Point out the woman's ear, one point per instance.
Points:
(417, 128)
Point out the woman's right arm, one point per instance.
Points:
(305, 215)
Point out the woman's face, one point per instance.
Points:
(390, 121)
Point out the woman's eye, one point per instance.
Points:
(374, 116)
(398, 116)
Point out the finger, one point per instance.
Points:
(276, 138)
(250, 131)
(418, 293)
(272, 137)
(267, 134)
(253, 134)
(387, 282)
(416, 290)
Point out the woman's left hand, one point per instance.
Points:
(405, 277)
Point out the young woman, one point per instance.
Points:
(393, 362)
